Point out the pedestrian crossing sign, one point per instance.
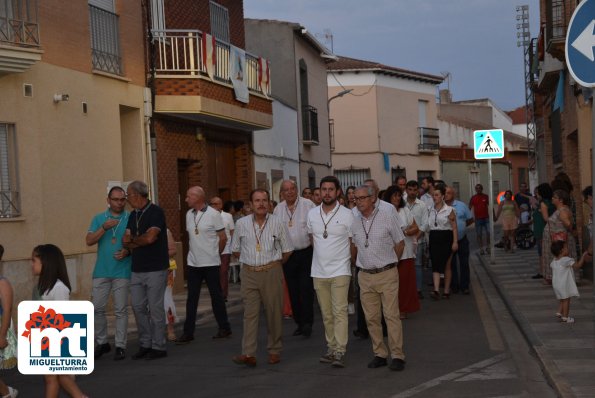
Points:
(488, 144)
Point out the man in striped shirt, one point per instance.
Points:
(262, 243)
(378, 242)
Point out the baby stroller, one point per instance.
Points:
(524, 238)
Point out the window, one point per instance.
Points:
(9, 194)
(398, 172)
(355, 177)
(219, 22)
(421, 174)
(105, 37)
(422, 107)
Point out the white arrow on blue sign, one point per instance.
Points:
(580, 40)
(488, 144)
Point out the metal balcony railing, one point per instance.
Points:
(10, 204)
(179, 53)
(310, 125)
(429, 139)
(105, 41)
(18, 23)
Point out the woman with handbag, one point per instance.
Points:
(559, 227)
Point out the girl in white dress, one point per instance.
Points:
(563, 281)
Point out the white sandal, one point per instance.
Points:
(567, 319)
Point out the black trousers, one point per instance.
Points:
(195, 277)
(300, 286)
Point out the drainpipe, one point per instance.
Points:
(149, 108)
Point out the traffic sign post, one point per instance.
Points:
(580, 58)
(488, 145)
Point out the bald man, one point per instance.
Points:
(206, 235)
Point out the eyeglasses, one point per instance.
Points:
(359, 198)
(118, 199)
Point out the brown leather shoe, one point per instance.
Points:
(274, 359)
(244, 360)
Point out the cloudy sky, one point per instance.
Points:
(474, 40)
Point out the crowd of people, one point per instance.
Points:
(357, 247)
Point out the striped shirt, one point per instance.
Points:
(273, 240)
(383, 233)
(298, 229)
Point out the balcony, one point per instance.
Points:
(429, 140)
(555, 28)
(179, 54)
(309, 125)
(19, 36)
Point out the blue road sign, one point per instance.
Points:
(580, 40)
(488, 144)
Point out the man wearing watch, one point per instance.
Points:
(112, 271)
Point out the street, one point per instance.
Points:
(467, 346)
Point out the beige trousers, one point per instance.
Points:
(332, 296)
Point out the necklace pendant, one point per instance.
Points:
(113, 240)
(195, 231)
(366, 244)
(258, 247)
(290, 224)
(325, 234)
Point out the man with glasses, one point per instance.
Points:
(146, 236)
(112, 271)
(479, 206)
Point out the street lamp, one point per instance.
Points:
(342, 93)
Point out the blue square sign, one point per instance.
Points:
(488, 144)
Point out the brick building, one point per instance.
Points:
(201, 129)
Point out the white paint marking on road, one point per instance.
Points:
(453, 376)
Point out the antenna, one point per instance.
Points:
(327, 37)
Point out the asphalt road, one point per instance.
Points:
(467, 346)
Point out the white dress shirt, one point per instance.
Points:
(296, 221)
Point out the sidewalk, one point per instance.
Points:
(566, 351)
(204, 313)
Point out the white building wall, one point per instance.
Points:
(277, 148)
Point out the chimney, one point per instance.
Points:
(445, 96)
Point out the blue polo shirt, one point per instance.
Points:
(463, 214)
(106, 265)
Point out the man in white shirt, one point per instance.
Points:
(206, 235)
(329, 227)
(217, 204)
(427, 184)
(262, 243)
(377, 245)
(293, 211)
(420, 214)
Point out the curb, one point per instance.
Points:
(550, 370)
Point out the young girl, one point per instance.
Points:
(47, 262)
(563, 278)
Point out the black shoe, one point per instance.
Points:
(156, 354)
(102, 349)
(222, 334)
(298, 332)
(307, 330)
(537, 276)
(184, 339)
(142, 352)
(397, 364)
(420, 295)
(377, 362)
(360, 334)
(120, 354)
(466, 292)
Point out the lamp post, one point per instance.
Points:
(341, 93)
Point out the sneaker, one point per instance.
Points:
(142, 352)
(156, 354)
(222, 334)
(119, 354)
(339, 360)
(12, 393)
(329, 357)
(102, 349)
(397, 364)
(567, 320)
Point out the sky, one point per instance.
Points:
(473, 40)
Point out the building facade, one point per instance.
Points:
(385, 122)
(210, 95)
(299, 84)
(72, 119)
